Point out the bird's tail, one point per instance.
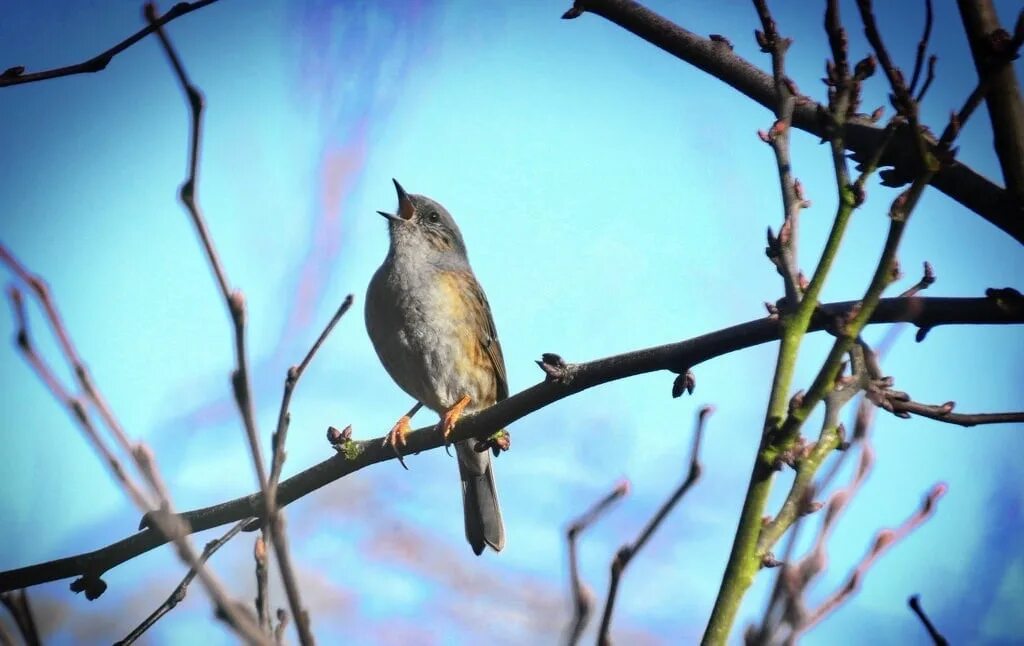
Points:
(484, 526)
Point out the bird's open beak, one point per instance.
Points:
(405, 207)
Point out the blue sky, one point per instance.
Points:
(611, 197)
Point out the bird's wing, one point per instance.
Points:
(489, 340)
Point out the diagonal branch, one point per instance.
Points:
(675, 357)
(16, 75)
(1005, 107)
(862, 137)
(884, 540)
(938, 638)
(159, 517)
(178, 595)
(629, 550)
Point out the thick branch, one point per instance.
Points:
(676, 357)
(1005, 108)
(861, 137)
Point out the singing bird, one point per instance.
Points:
(432, 328)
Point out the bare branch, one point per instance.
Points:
(178, 595)
(582, 596)
(944, 413)
(922, 46)
(355, 455)
(1005, 108)
(235, 302)
(927, 280)
(915, 604)
(629, 550)
(283, 419)
(16, 602)
(16, 75)
(39, 287)
(262, 601)
(883, 541)
(74, 406)
(159, 517)
(956, 180)
(782, 249)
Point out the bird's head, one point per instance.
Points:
(424, 227)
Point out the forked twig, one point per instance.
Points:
(884, 540)
(159, 515)
(178, 595)
(582, 595)
(16, 75)
(629, 550)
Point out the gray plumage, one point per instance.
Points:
(431, 326)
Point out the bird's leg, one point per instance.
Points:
(451, 416)
(396, 436)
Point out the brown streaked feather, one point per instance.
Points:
(482, 346)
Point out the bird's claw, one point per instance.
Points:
(396, 438)
(450, 417)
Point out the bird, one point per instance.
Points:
(432, 328)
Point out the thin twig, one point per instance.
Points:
(782, 249)
(944, 413)
(74, 406)
(927, 280)
(278, 536)
(159, 517)
(356, 455)
(922, 45)
(39, 287)
(178, 595)
(915, 604)
(262, 601)
(582, 595)
(16, 602)
(284, 417)
(629, 550)
(235, 302)
(883, 541)
(16, 75)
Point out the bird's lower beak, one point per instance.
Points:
(391, 216)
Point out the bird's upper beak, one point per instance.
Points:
(405, 207)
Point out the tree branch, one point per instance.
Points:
(17, 604)
(16, 75)
(235, 302)
(884, 540)
(178, 595)
(675, 357)
(862, 137)
(629, 550)
(1005, 109)
(582, 596)
(915, 604)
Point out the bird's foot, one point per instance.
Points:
(496, 443)
(451, 416)
(396, 437)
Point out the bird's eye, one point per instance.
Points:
(434, 216)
